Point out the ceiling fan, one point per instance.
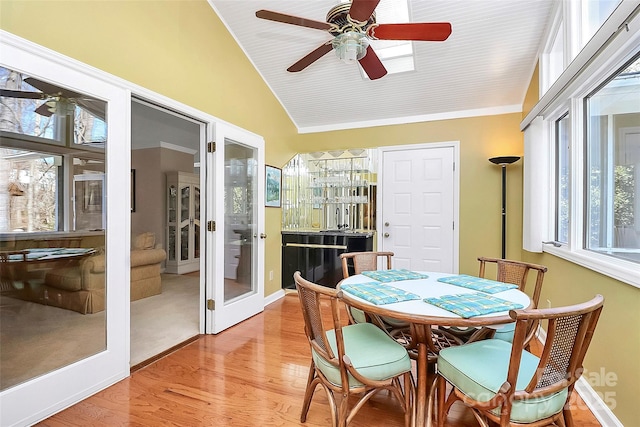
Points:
(57, 100)
(352, 25)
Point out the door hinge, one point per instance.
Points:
(211, 304)
(211, 225)
(454, 166)
(211, 147)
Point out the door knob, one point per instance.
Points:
(386, 234)
(263, 236)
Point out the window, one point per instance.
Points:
(584, 134)
(594, 13)
(563, 184)
(612, 202)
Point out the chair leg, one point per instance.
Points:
(566, 417)
(441, 391)
(343, 410)
(308, 393)
(408, 395)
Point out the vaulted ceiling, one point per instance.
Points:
(484, 67)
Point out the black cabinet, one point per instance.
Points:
(317, 255)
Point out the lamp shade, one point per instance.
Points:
(504, 160)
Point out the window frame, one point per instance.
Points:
(600, 60)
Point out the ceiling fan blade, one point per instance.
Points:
(435, 32)
(43, 110)
(372, 65)
(311, 58)
(293, 20)
(53, 90)
(8, 93)
(361, 10)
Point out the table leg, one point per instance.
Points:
(421, 386)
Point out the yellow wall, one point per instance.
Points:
(181, 49)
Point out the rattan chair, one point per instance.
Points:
(508, 271)
(365, 261)
(358, 359)
(503, 383)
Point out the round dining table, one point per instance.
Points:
(422, 316)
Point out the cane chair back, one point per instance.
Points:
(504, 383)
(516, 272)
(358, 359)
(363, 261)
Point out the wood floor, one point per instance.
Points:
(253, 374)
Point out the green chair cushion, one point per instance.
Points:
(505, 333)
(479, 369)
(372, 352)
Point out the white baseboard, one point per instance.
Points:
(597, 406)
(274, 297)
(600, 410)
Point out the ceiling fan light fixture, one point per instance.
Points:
(350, 46)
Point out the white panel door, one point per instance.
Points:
(418, 208)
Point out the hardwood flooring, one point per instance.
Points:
(253, 374)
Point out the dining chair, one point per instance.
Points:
(507, 271)
(365, 261)
(357, 359)
(504, 383)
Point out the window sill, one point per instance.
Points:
(624, 271)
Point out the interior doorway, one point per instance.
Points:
(165, 230)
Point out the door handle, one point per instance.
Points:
(386, 234)
(263, 236)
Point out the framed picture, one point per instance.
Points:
(273, 186)
(133, 190)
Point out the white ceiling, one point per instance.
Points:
(484, 67)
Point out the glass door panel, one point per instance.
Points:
(53, 235)
(240, 195)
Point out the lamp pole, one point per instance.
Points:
(503, 161)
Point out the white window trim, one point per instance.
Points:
(551, 33)
(597, 63)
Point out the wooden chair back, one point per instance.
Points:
(569, 333)
(364, 261)
(311, 295)
(516, 272)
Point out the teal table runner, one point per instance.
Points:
(474, 304)
(378, 293)
(393, 275)
(477, 283)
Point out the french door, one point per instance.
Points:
(235, 283)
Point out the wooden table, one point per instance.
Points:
(422, 316)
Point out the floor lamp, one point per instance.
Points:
(503, 161)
